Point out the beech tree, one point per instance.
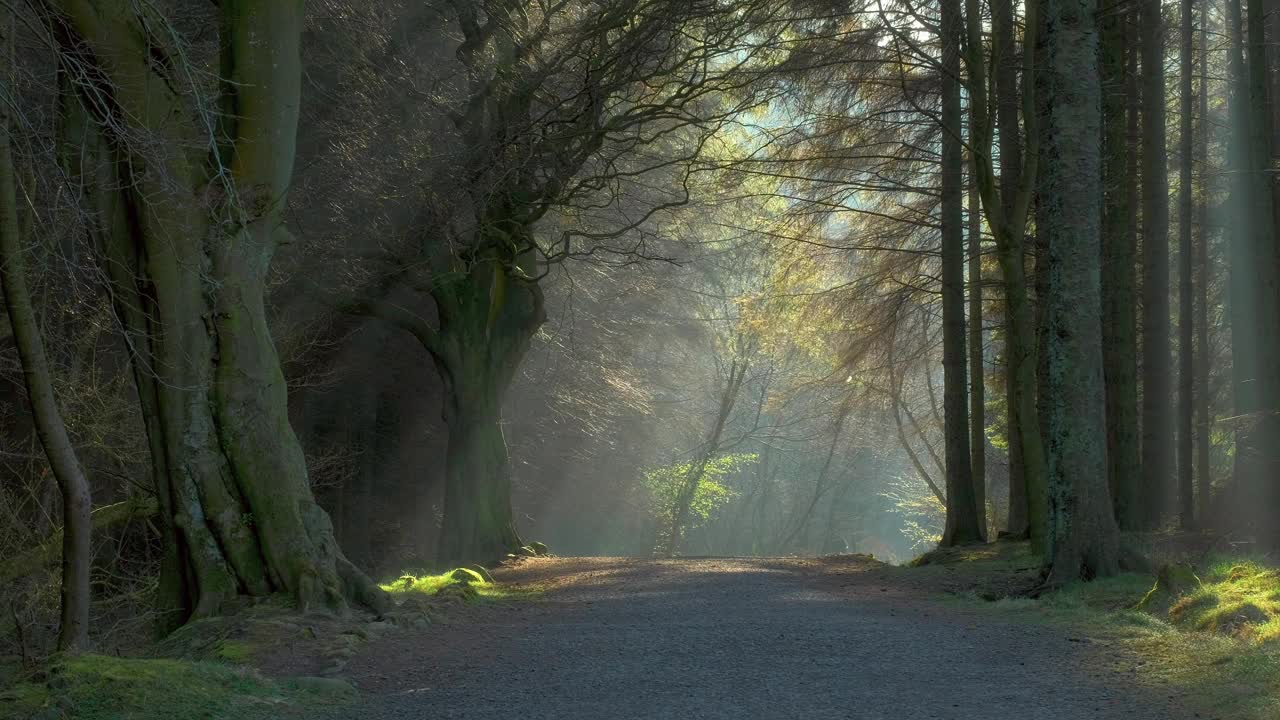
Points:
(559, 100)
(187, 193)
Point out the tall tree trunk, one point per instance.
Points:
(962, 510)
(1084, 541)
(1204, 274)
(1119, 283)
(488, 317)
(1157, 386)
(1010, 143)
(73, 632)
(1009, 229)
(188, 247)
(977, 364)
(1252, 273)
(1186, 489)
(1267, 262)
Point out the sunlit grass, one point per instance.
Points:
(1217, 641)
(1237, 597)
(469, 583)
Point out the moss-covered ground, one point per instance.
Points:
(101, 687)
(1215, 636)
(264, 661)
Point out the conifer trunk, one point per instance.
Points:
(1186, 491)
(977, 364)
(1084, 541)
(1157, 385)
(962, 510)
(1119, 282)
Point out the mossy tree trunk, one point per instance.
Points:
(487, 317)
(38, 377)
(188, 234)
(1084, 540)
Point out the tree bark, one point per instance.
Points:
(1119, 282)
(188, 238)
(962, 510)
(1204, 274)
(1186, 140)
(1010, 143)
(1008, 229)
(1157, 386)
(73, 632)
(488, 316)
(977, 364)
(1252, 293)
(1084, 540)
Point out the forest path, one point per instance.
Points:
(739, 638)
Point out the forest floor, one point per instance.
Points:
(832, 637)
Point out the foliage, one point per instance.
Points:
(921, 513)
(664, 485)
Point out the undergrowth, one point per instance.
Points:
(1218, 637)
(101, 687)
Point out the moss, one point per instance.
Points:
(98, 687)
(1238, 598)
(1214, 636)
(408, 586)
(235, 651)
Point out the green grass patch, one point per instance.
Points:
(100, 687)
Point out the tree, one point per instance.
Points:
(1084, 541)
(962, 508)
(1201, 364)
(1007, 215)
(1119, 282)
(1157, 386)
(1253, 292)
(1186, 312)
(58, 448)
(189, 211)
(552, 120)
(977, 362)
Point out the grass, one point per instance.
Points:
(101, 687)
(1219, 641)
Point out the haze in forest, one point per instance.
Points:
(304, 297)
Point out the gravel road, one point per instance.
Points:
(735, 638)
